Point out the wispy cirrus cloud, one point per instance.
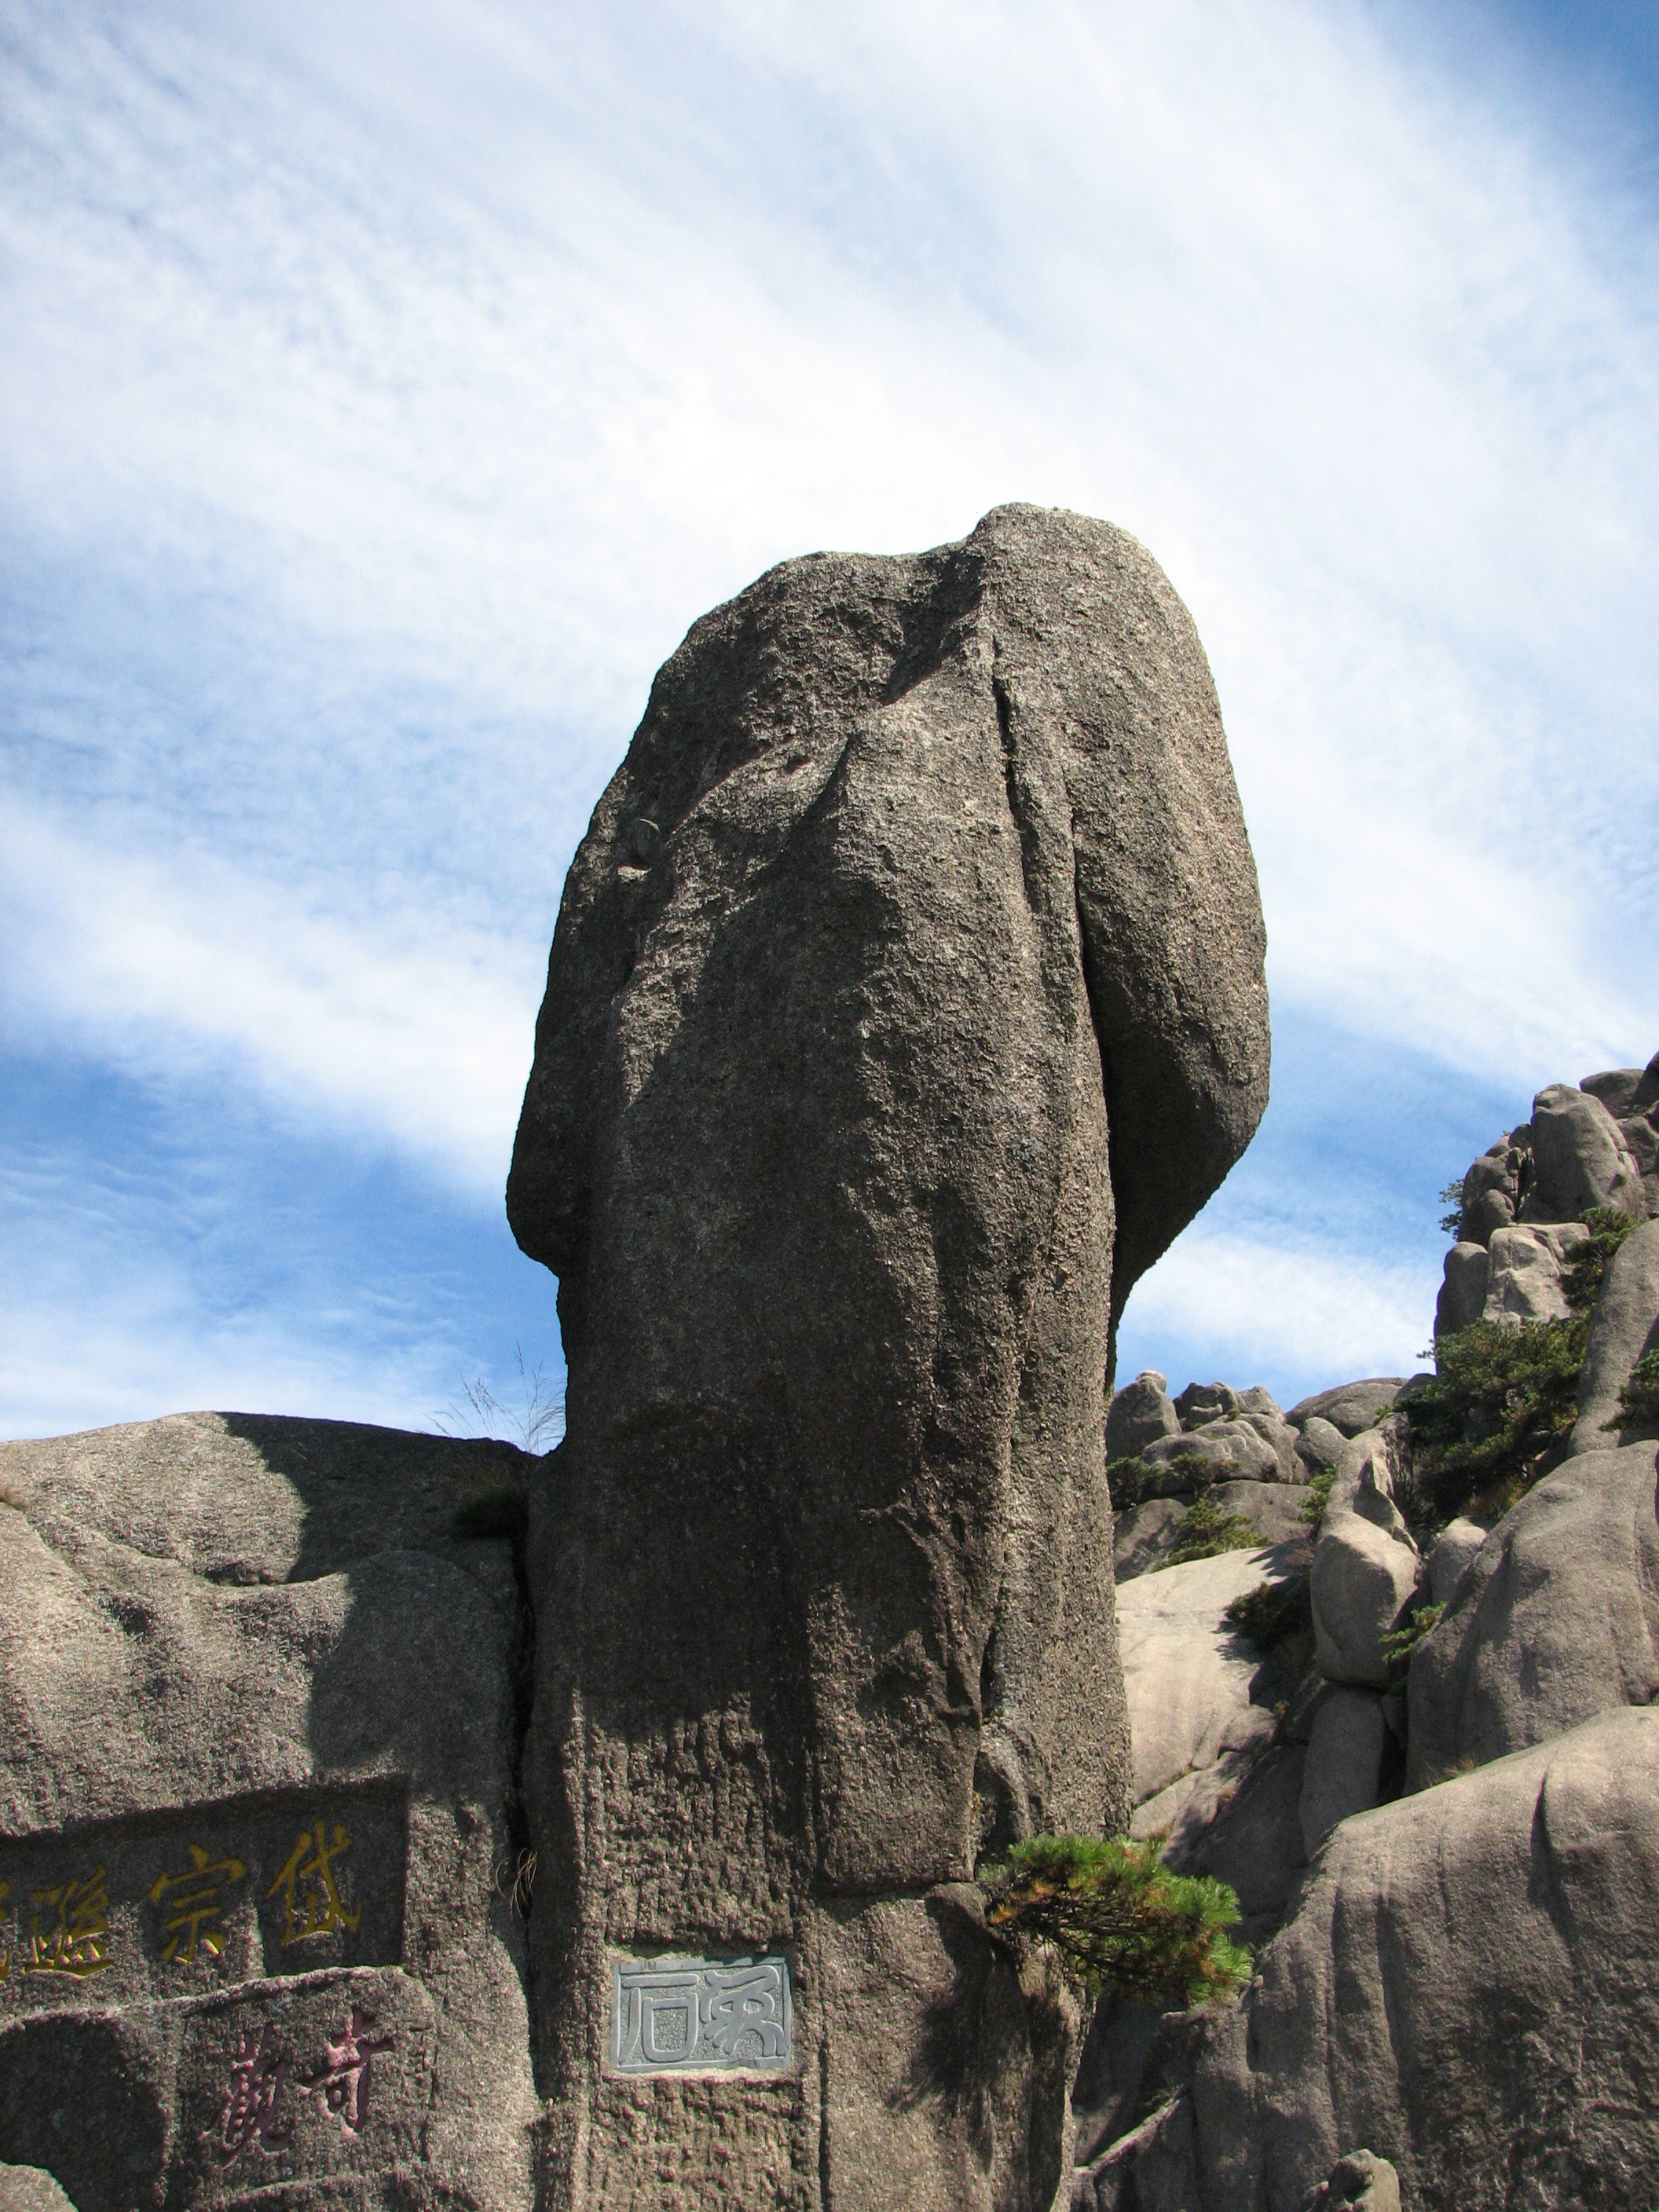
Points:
(385, 392)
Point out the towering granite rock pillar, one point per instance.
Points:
(906, 1001)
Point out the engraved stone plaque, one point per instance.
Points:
(177, 1904)
(697, 2016)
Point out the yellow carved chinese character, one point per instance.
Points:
(194, 1918)
(311, 1899)
(77, 1937)
(5, 1949)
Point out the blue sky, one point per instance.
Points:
(384, 392)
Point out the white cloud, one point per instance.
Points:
(1241, 1308)
(412, 378)
(425, 1043)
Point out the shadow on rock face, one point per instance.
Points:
(90, 2099)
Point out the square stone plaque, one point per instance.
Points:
(699, 2015)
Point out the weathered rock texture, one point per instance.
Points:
(1555, 1619)
(1594, 1144)
(906, 1001)
(1366, 1567)
(1468, 1987)
(258, 1725)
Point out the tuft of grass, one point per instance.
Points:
(535, 1425)
(1399, 1644)
(1312, 1508)
(1273, 1613)
(1638, 1401)
(1116, 1918)
(515, 1883)
(1204, 1531)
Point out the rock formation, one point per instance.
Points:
(906, 1001)
(1463, 1976)
(258, 1732)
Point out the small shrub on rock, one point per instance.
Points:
(1124, 1478)
(1483, 1429)
(1503, 1395)
(1312, 1508)
(1273, 1613)
(1638, 1401)
(1204, 1530)
(1118, 1919)
(1581, 1279)
(1400, 1642)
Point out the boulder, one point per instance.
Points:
(1233, 1447)
(911, 865)
(1342, 1773)
(259, 1729)
(1201, 1403)
(1258, 1398)
(1455, 1550)
(1580, 1158)
(1273, 1510)
(1640, 1132)
(1365, 1567)
(1467, 1985)
(1492, 1187)
(1281, 1439)
(1626, 1326)
(1139, 1414)
(1555, 1619)
(1525, 1267)
(1251, 1837)
(1360, 2179)
(1462, 1297)
(1188, 1676)
(1319, 1444)
(1149, 1531)
(1144, 1534)
(1625, 1091)
(30, 2189)
(1352, 1407)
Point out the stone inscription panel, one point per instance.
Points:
(214, 2100)
(697, 2016)
(176, 1904)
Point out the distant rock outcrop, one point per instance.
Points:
(1523, 1203)
(1463, 1979)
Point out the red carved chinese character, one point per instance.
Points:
(248, 2114)
(342, 2080)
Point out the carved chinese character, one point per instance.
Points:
(247, 2112)
(342, 2079)
(311, 1898)
(76, 1940)
(193, 1907)
(5, 1948)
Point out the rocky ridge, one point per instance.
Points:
(1450, 1820)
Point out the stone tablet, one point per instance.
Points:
(258, 1940)
(694, 2016)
